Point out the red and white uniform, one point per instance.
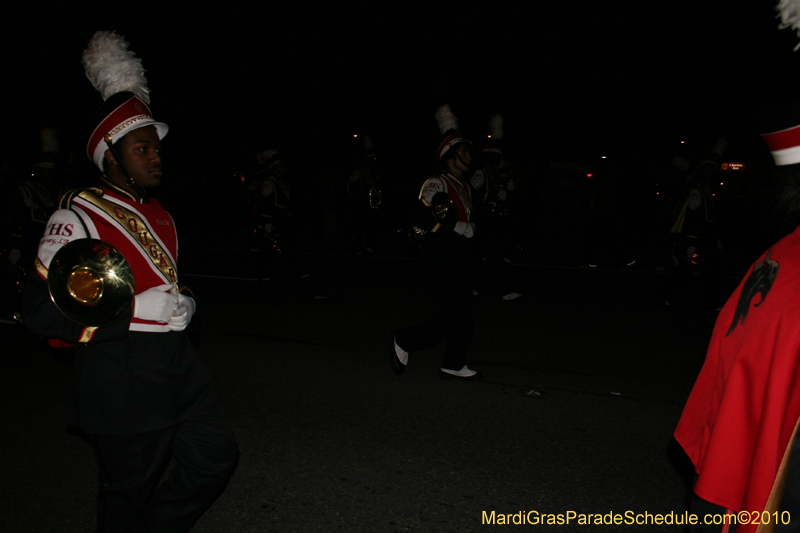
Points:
(461, 194)
(152, 237)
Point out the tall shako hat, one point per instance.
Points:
(50, 148)
(118, 74)
(269, 158)
(496, 135)
(448, 127)
(782, 127)
(782, 124)
(366, 143)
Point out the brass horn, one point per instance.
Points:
(91, 282)
(444, 210)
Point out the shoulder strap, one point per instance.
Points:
(66, 200)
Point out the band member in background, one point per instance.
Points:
(35, 200)
(444, 210)
(695, 246)
(138, 392)
(492, 213)
(270, 209)
(29, 206)
(364, 200)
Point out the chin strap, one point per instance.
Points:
(143, 196)
(458, 156)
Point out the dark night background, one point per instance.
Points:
(573, 81)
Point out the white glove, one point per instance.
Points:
(502, 195)
(183, 314)
(467, 229)
(156, 304)
(14, 256)
(470, 231)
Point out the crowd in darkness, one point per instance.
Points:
(611, 210)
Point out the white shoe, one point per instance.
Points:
(464, 373)
(511, 296)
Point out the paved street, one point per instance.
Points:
(332, 440)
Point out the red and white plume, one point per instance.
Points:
(112, 68)
(446, 119)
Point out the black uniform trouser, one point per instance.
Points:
(130, 467)
(446, 266)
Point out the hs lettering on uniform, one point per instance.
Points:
(60, 229)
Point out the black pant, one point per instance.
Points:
(130, 498)
(446, 266)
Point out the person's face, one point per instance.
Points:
(462, 162)
(465, 154)
(279, 169)
(140, 153)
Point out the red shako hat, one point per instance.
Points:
(448, 127)
(118, 74)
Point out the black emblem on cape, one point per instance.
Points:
(759, 282)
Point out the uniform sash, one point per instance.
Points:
(138, 229)
(461, 190)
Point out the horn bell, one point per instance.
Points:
(91, 282)
(444, 210)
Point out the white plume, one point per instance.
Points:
(112, 68)
(790, 16)
(720, 147)
(446, 119)
(366, 141)
(681, 163)
(49, 140)
(496, 126)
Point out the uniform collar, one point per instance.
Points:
(117, 190)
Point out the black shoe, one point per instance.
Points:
(397, 366)
(477, 376)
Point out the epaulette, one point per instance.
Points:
(422, 189)
(66, 200)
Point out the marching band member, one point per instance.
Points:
(491, 186)
(35, 200)
(445, 208)
(138, 391)
(270, 208)
(363, 190)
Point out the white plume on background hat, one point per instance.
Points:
(49, 138)
(112, 68)
(446, 119)
(496, 126)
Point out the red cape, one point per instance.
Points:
(741, 413)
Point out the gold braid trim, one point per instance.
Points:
(40, 269)
(87, 334)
